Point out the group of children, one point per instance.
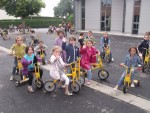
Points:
(62, 54)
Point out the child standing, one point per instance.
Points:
(28, 62)
(131, 60)
(57, 68)
(18, 50)
(59, 41)
(105, 41)
(81, 39)
(88, 55)
(143, 46)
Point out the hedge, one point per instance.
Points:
(35, 22)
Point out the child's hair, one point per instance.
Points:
(90, 32)
(56, 48)
(105, 33)
(81, 34)
(72, 37)
(40, 41)
(27, 49)
(89, 40)
(134, 49)
(18, 37)
(60, 31)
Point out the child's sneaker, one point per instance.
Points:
(30, 89)
(112, 59)
(116, 87)
(132, 85)
(88, 83)
(11, 78)
(68, 93)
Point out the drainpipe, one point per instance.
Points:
(124, 15)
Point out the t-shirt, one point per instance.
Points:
(19, 51)
(30, 58)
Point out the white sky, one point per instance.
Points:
(48, 10)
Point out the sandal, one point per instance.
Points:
(68, 93)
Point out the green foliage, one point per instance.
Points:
(70, 18)
(22, 8)
(64, 8)
(35, 22)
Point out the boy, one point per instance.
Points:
(18, 50)
(41, 47)
(90, 36)
(71, 49)
(105, 41)
(143, 46)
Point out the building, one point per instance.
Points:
(123, 16)
(3, 15)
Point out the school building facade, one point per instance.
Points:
(122, 16)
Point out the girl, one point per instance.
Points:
(17, 49)
(88, 55)
(131, 60)
(28, 62)
(57, 68)
(59, 42)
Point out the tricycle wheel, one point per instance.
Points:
(49, 86)
(103, 74)
(39, 83)
(125, 88)
(108, 59)
(17, 83)
(75, 86)
(81, 80)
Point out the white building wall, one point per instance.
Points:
(144, 23)
(3, 15)
(117, 15)
(77, 15)
(92, 14)
(129, 16)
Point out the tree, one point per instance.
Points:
(22, 8)
(64, 8)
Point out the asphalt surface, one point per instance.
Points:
(18, 100)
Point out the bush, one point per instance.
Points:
(34, 22)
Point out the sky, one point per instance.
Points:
(48, 10)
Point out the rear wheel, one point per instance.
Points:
(103, 74)
(81, 80)
(39, 84)
(49, 86)
(75, 86)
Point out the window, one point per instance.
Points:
(136, 16)
(82, 14)
(105, 15)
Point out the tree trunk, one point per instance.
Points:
(23, 25)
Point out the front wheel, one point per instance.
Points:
(103, 74)
(75, 86)
(39, 84)
(49, 86)
(125, 88)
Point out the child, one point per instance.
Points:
(143, 46)
(81, 39)
(18, 50)
(105, 41)
(59, 42)
(90, 36)
(88, 55)
(28, 62)
(56, 70)
(131, 60)
(41, 47)
(72, 51)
